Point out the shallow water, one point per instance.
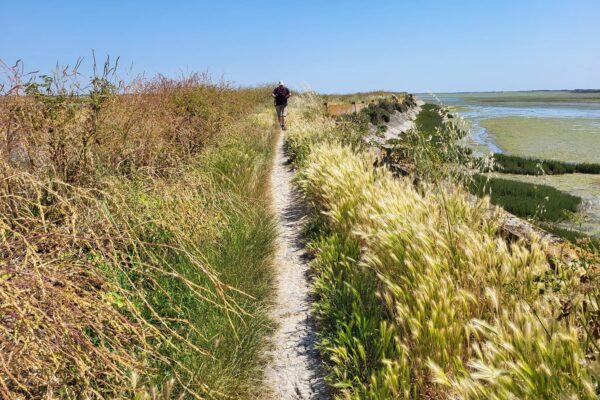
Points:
(553, 125)
(476, 107)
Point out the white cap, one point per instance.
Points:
(280, 83)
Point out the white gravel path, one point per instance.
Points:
(294, 371)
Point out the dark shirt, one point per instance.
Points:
(281, 95)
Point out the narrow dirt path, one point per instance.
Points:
(294, 371)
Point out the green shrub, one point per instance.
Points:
(532, 166)
(526, 200)
(380, 112)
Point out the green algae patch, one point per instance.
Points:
(571, 140)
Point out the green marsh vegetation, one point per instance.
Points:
(585, 186)
(512, 164)
(135, 236)
(526, 200)
(521, 163)
(571, 140)
(530, 200)
(418, 294)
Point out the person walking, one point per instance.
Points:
(281, 94)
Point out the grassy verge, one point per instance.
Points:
(533, 166)
(239, 251)
(526, 200)
(135, 238)
(419, 297)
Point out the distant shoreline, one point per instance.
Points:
(518, 91)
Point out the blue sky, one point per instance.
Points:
(329, 46)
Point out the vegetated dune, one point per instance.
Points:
(135, 237)
(418, 294)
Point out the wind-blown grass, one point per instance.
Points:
(313, 127)
(419, 296)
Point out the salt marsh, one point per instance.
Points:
(555, 125)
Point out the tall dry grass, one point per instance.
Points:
(63, 126)
(112, 206)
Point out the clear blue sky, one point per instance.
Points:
(330, 46)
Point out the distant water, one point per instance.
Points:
(474, 109)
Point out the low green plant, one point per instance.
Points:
(434, 148)
(527, 200)
(512, 164)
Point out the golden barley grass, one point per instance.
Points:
(463, 313)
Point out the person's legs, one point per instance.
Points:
(278, 111)
(281, 115)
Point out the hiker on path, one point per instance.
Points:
(281, 94)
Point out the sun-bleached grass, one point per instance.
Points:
(421, 297)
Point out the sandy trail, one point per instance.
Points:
(294, 371)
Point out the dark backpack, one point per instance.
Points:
(281, 93)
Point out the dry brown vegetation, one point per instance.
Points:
(60, 128)
(107, 215)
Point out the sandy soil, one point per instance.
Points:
(294, 372)
(399, 123)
